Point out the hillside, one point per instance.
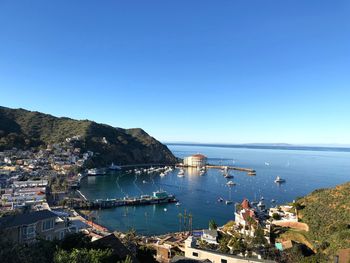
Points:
(327, 213)
(25, 129)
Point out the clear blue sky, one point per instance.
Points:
(203, 71)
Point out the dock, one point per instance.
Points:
(248, 170)
(157, 198)
(241, 169)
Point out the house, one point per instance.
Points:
(246, 218)
(28, 227)
(194, 252)
(210, 236)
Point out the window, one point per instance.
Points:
(47, 224)
(223, 260)
(195, 254)
(28, 232)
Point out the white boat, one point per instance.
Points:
(228, 202)
(114, 167)
(162, 174)
(144, 181)
(267, 164)
(177, 204)
(230, 183)
(181, 173)
(279, 180)
(95, 171)
(220, 199)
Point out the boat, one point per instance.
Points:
(181, 173)
(162, 174)
(261, 204)
(267, 164)
(144, 182)
(228, 202)
(114, 167)
(279, 180)
(95, 171)
(165, 209)
(273, 200)
(220, 199)
(230, 183)
(228, 176)
(254, 203)
(177, 204)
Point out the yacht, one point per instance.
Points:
(279, 180)
(267, 164)
(144, 182)
(95, 171)
(162, 174)
(114, 167)
(177, 204)
(220, 199)
(230, 183)
(181, 173)
(228, 202)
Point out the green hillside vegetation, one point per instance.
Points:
(327, 212)
(26, 129)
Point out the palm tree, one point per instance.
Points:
(190, 222)
(212, 225)
(180, 221)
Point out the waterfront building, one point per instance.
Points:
(196, 160)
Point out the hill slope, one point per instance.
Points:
(327, 212)
(25, 129)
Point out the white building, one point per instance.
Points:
(193, 252)
(196, 160)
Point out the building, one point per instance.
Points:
(246, 218)
(28, 227)
(210, 236)
(193, 252)
(196, 160)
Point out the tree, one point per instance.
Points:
(259, 237)
(83, 255)
(212, 225)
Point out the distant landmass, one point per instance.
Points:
(278, 146)
(25, 129)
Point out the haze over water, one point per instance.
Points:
(304, 171)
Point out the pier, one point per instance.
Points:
(241, 169)
(159, 197)
(248, 170)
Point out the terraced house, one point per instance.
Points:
(29, 227)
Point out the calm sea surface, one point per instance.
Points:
(303, 170)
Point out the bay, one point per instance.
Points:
(304, 171)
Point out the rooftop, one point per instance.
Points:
(25, 219)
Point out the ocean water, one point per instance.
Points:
(303, 170)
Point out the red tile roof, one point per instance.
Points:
(245, 204)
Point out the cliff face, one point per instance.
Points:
(25, 129)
